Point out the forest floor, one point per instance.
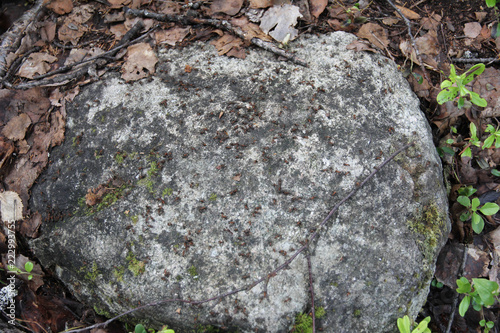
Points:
(65, 44)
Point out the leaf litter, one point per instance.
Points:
(33, 120)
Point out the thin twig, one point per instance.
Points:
(311, 289)
(267, 276)
(412, 39)
(475, 60)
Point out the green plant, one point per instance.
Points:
(473, 141)
(139, 328)
(404, 325)
(474, 208)
(303, 321)
(455, 86)
(481, 292)
(28, 267)
(494, 137)
(491, 3)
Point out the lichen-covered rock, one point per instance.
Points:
(208, 176)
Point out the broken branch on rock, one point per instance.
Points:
(220, 24)
(270, 274)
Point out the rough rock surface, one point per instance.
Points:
(209, 175)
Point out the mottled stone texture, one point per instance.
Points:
(215, 175)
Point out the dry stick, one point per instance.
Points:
(311, 288)
(269, 275)
(475, 60)
(412, 39)
(220, 24)
(63, 79)
(13, 36)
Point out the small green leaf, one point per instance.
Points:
(464, 201)
(422, 327)
(477, 223)
(28, 266)
(464, 306)
(490, 128)
(476, 99)
(489, 208)
(473, 130)
(475, 203)
(485, 289)
(488, 142)
(465, 216)
(418, 77)
(445, 84)
(464, 286)
(404, 324)
(477, 69)
(447, 150)
(450, 141)
(30, 277)
(491, 3)
(490, 324)
(482, 322)
(139, 328)
(495, 172)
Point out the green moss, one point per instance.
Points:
(93, 273)
(135, 219)
(134, 265)
(101, 312)
(212, 197)
(97, 155)
(193, 272)
(168, 191)
(357, 313)
(111, 197)
(207, 329)
(148, 181)
(178, 278)
(429, 226)
(118, 273)
(119, 157)
(319, 312)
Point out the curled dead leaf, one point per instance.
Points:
(141, 62)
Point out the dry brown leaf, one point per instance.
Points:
(279, 22)
(48, 31)
(140, 63)
(188, 69)
(250, 29)
(170, 8)
(36, 64)
(390, 21)
(375, 34)
(487, 85)
(431, 23)
(119, 3)
(428, 44)
(229, 7)
(480, 16)
(410, 14)
(60, 7)
(6, 150)
(472, 29)
(359, 45)
(82, 14)
(16, 127)
(171, 36)
(261, 3)
(317, 7)
(227, 43)
(22, 147)
(119, 30)
(237, 177)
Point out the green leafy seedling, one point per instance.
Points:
(474, 208)
(494, 137)
(481, 292)
(139, 328)
(404, 325)
(473, 141)
(455, 86)
(28, 267)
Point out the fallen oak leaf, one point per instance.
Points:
(36, 63)
(317, 7)
(410, 14)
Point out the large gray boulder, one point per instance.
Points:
(198, 182)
